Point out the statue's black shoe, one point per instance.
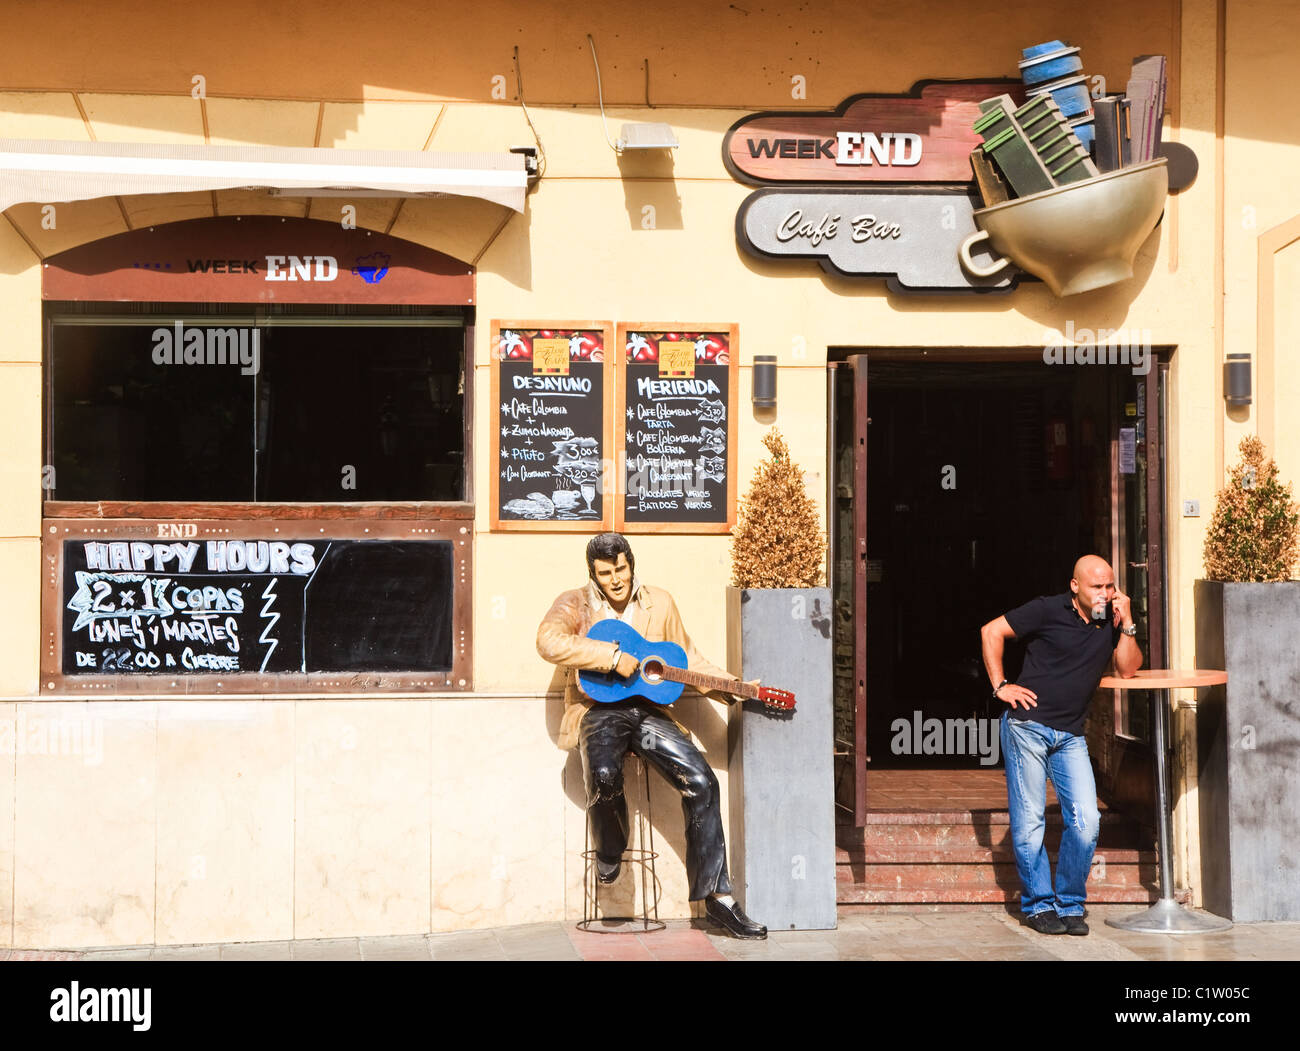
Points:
(607, 871)
(734, 919)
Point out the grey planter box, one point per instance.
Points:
(1248, 735)
(780, 765)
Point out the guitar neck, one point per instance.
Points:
(710, 682)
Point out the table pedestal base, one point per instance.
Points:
(1168, 917)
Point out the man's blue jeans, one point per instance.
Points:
(1033, 752)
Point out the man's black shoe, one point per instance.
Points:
(1074, 925)
(607, 871)
(1047, 922)
(731, 917)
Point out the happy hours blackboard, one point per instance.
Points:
(551, 389)
(268, 606)
(678, 389)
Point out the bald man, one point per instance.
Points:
(1070, 640)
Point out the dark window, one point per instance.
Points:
(256, 408)
(123, 428)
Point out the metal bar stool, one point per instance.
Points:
(640, 856)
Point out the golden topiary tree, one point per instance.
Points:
(1252, 535)
(777, 542)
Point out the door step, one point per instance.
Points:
(966, 857)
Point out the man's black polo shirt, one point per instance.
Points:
(1065, 658)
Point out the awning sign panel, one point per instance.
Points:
(257, 259)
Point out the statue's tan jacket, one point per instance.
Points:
(561, 639)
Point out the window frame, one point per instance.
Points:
(344, 520)
(267, 315)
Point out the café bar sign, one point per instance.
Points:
(881, 186)
(908, 235)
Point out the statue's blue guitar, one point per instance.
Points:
(661, 674)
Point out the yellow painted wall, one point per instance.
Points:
(8, 717)
(358, 816)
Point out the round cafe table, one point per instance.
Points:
(1166, 916)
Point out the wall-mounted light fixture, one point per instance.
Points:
(1236, 379)
(764, 394)
(650, 136)
(647, 136)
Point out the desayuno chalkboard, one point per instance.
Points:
(678, 440)
(204, 607)
(551, 389)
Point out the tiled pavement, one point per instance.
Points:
(890, 933)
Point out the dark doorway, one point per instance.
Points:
(984, 481)
(974, 506)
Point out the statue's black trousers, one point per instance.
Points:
(608, 733)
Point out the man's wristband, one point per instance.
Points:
(999, 686)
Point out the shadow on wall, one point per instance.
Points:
(465, 228)
(687, 54)
(649, 192)
(1104, 308)
(666, 827)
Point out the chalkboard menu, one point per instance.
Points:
(551, 389)
(677, 395)
(215, 601)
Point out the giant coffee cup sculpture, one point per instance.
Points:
(1076, 237)
(1075, 229)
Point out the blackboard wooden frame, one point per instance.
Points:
(54, 685)
(610, 496)
(620, 406)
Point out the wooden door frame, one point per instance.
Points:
(861, 423)
(857, 361)
(1157, 569)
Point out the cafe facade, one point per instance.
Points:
(329, 347)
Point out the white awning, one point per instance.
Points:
(45, 171)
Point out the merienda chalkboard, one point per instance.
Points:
(550, 436)
(678, 389)
(192, 607)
